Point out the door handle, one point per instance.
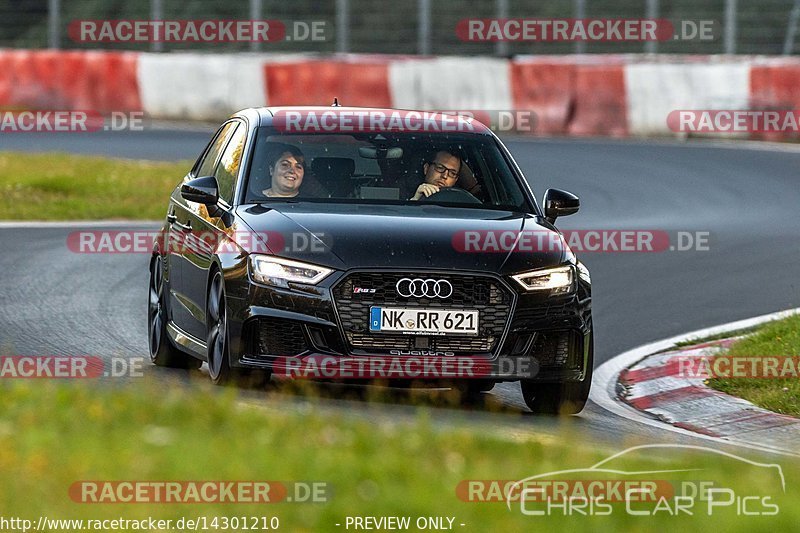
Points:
(187, 227)
(172, 219)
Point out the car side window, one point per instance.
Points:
(206, 167)
(228, 167)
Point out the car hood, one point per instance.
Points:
(344, 236)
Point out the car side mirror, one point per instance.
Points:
(558, 203)
(202, 190)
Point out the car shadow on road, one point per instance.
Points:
(501, 409)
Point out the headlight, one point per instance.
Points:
(583, 272)
(276, 271)
(556, 280)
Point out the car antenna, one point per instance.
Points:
(336, 102)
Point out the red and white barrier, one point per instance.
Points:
(775, 84)
(450, 83)
(579, 95)
(317, 82)
(653, 90)
(199, 86)
(91, 81)
(548, 89)
(599, 105)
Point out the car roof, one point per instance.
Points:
(264, 116)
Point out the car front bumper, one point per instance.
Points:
(313, 332)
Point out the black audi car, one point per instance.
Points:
(357, 236)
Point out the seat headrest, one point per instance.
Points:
(467, 179)
(337, 166)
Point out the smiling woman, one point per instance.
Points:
(286, 171)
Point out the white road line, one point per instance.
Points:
(739, 144)
(604, 382)
(21, 224)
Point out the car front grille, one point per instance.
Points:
(274, 337)
(551, 348)
(487, 295)
(542, 312)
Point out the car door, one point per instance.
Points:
(183, 238)
(208, 224)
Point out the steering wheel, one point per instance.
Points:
(451, 194)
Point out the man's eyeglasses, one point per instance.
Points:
(441, 169)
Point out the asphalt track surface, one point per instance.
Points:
(57, 302)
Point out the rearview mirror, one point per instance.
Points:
(201, 190)
(558, 203)
(372, 152)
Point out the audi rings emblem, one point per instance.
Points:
(424, 288)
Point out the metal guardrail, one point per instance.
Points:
(413, 26)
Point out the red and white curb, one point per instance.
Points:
(655, 385)
(645, 384)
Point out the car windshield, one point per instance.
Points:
(464, 170)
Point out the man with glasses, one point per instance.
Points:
(441, 171)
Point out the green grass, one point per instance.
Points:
(781, 337)
(56, 186)
(699, 340)
(53, 434)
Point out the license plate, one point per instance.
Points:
(423, 321)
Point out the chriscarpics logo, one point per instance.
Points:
(688, 480)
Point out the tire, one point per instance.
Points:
(162, 352)
(219, 368)
(567, 398)
(472, 390)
